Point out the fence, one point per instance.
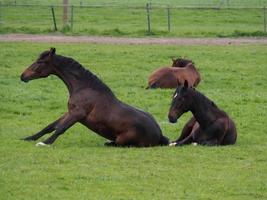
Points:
(122, 20)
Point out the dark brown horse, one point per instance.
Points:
(166, 77)
(94, 105)
(209, 126)
(180, 62)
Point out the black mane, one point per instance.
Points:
(44, 54)
(204, 98)
(70, 66)
(182, 62)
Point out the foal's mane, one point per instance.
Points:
(203, 98)
(71, 66)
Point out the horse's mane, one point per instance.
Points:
(71, 66)
(204, 98)
(182, 62)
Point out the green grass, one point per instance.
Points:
(123, 21)
(78, 166)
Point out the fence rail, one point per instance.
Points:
(131, 20)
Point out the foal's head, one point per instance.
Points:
(181, 102)
(41, 68)
(180, 62)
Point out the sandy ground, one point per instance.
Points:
(123, 40)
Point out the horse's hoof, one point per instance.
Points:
(194, 143)
(172, 144)
(27, 139)
(41, 144)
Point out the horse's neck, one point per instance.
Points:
(202, 109)
(69, 79)
(79, 78)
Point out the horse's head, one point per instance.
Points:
(180, 62)
(180, 103)
(41, 68)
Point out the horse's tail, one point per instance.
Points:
(164, 140)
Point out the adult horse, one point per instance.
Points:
(166, 77)
(209, 126)
(93, 104)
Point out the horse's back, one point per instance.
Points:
(162, 78)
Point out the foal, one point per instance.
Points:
(209, 126)
(93, 104)
(166, 77)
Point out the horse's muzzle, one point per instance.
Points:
(172, 119)
(24, 79)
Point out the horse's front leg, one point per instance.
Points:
(191, 137)
(186, 130)
(48, 129)
(61, 127)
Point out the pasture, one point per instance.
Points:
(78, 166)
(130, 19)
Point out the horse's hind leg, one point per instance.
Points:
(130, 138)
(48, 129)
(231, 135)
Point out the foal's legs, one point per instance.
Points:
(190, 138)
(48, 129)
(66, 122)
(187, 129)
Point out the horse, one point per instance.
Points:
(166, 77)
(180, 62)
(209, 124)
(93, 104)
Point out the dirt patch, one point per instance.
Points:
(120, 40)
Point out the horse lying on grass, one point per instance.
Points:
(166, 77)
(93, 104)
(209, 126)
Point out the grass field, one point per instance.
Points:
(129, 21)
(78, 166)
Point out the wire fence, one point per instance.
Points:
(134, 20)
(181, 3)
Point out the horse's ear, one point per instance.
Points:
(52, 51)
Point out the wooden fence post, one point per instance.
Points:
(169, 19)
(148, 18)
(54, 18)
(264, 18)
(65, 12)
(71, 19)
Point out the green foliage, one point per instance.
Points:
(78, 166)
